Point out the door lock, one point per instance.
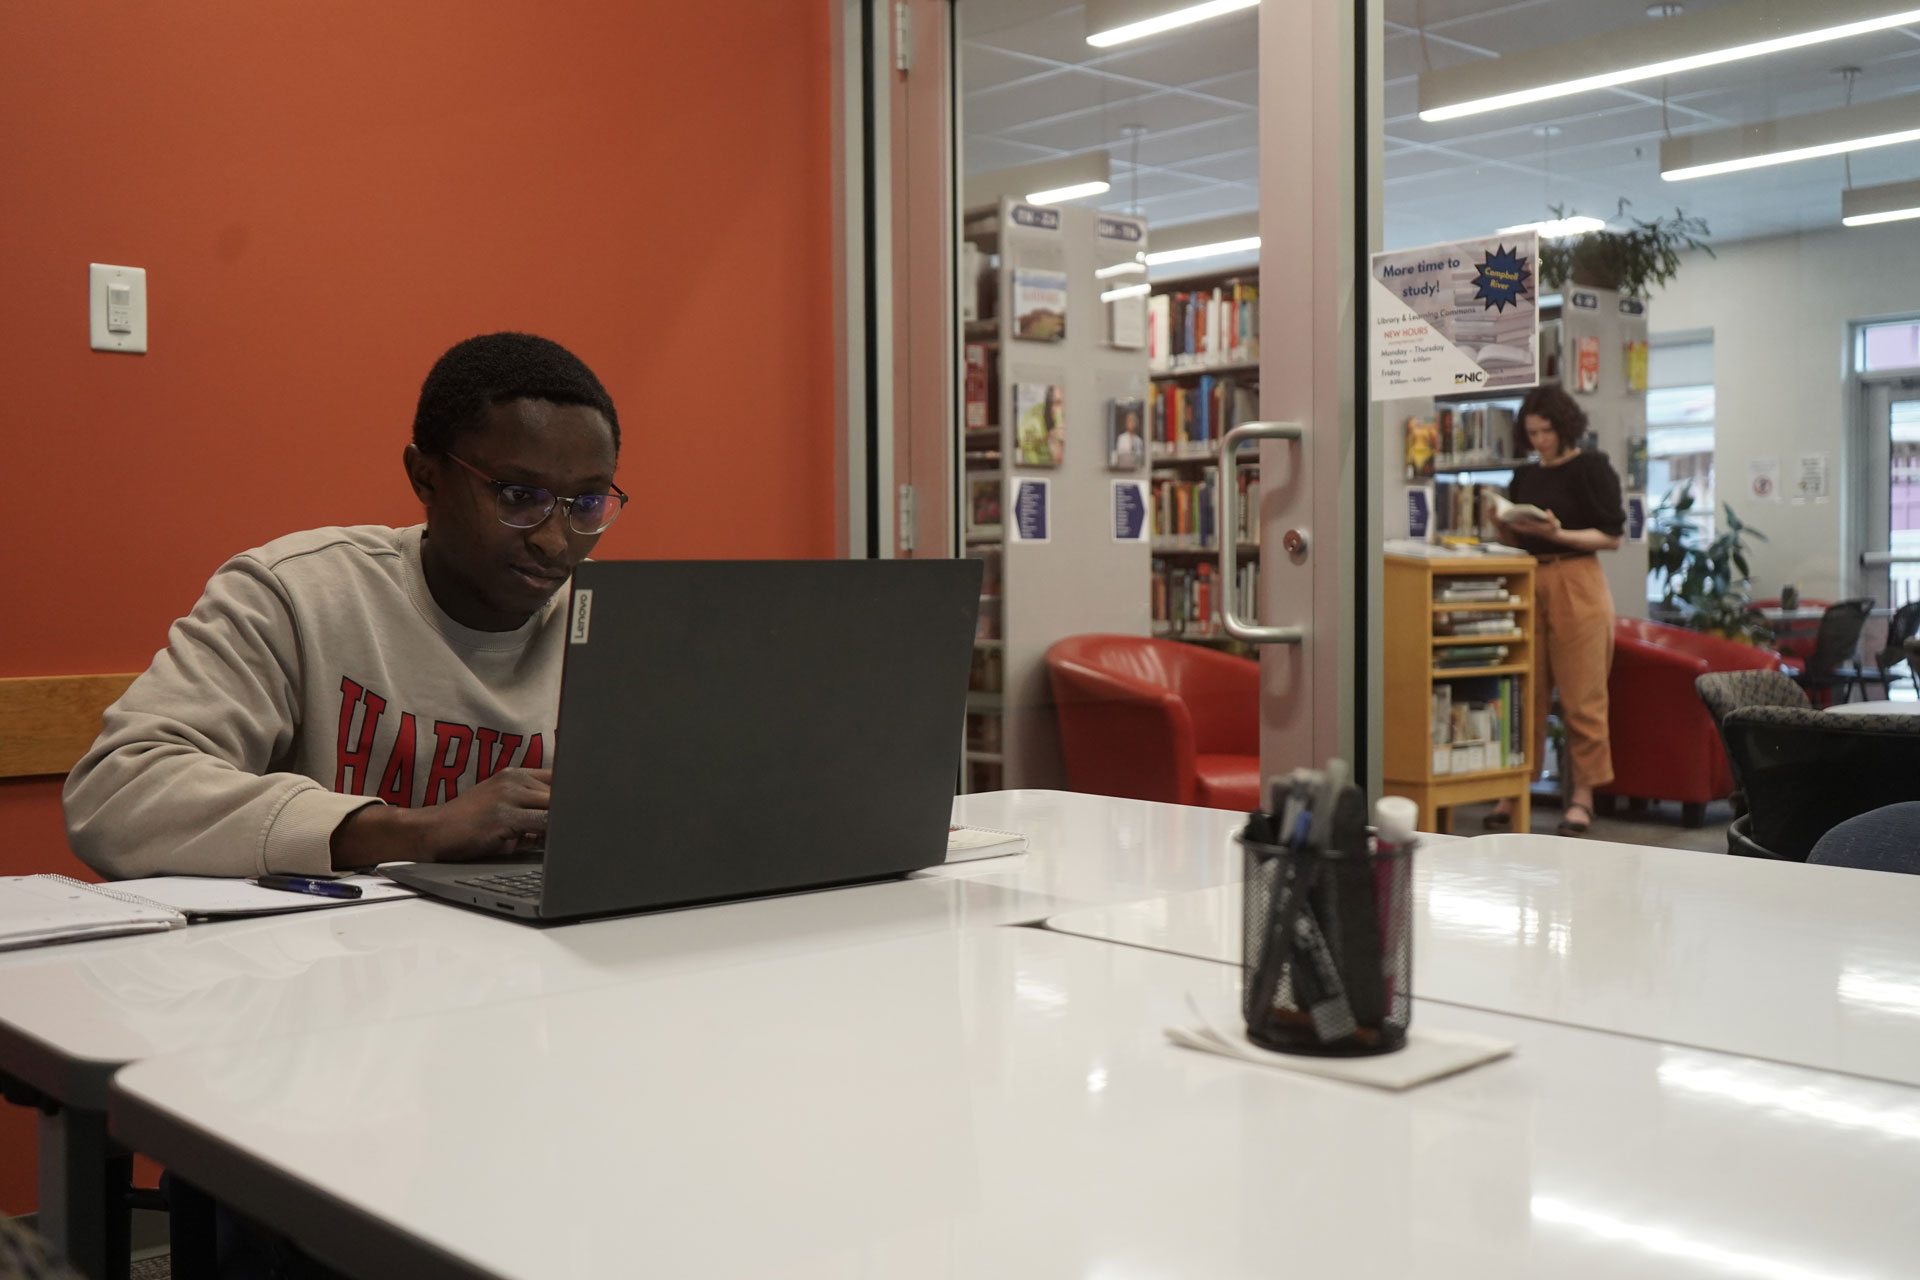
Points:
(1295, 543)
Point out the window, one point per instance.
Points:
(1889, 346)
(1680, 429)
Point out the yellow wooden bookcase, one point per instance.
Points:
(1411, 650)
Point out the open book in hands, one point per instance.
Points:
(1517, 512)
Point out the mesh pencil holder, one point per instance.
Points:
(1326, 951)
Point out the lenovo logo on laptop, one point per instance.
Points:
(582, 615)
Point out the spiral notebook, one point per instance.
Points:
(37, 910)
(964, 844)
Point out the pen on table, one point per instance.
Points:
(301, 884)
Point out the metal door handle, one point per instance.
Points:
(1881, 559)
(1228, 533)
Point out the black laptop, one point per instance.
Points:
(732, 728)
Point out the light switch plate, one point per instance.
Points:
(99, 276)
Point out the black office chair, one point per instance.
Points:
(1725, 692)
(1833, 664)
(1886, 839)
(1808, 771)
(1906, 621)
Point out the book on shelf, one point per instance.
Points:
(1467, 656)
(1476, 725)
(1126, 444)
(1474, 624)
(1127, 322)
(1474, 435)
(1194, 327)
(1192, 419)
(1187, 510)
(1471, 590)
(979, 387)
(1423, 446)
(1039, 304)
(990, 563)
(983, 731)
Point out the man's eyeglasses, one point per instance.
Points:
(524, 507)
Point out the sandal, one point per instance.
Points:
(1568, 827)
(1497, 821)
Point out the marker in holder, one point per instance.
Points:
(1326, 930)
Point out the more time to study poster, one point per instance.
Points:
(1450, 318)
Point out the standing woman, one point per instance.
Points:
(1573, 610)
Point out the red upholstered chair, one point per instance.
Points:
(1665, 744)
(1158, 720)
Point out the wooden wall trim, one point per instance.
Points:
(48, 722)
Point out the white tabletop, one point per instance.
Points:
(1002, 1104)
(1097, 849)
(1818, 966)
(71, 1015)
(1878, 708)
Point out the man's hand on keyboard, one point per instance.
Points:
(504, 815)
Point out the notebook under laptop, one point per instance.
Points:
(732, 728)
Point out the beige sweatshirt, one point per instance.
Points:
(316, 675)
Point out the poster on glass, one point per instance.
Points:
(1457, 317)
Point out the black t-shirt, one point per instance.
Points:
(1583, 491)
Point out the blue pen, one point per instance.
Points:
(300, 884)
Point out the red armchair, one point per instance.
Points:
(1665, 745)
(1158, 720)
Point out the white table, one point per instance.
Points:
(1816, 966)
(1878, 708)
(71, 1016)
(1096, 849)
(1001, 1103)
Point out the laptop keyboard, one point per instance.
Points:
(511, 884)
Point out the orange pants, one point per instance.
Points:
(1573, 651)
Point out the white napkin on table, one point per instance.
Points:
(1428, 1055)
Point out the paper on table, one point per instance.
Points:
(964, 844)
(37, 910)
(1428, 1055)
(204, 896)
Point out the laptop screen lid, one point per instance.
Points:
(730, 728)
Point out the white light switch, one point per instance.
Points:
(117, 307)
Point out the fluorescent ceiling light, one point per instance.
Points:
(1783, 141)
(1041, 181)
(1206, 238)
(1138, 267)
(1895, 202)
(1076, 191)
(1558, 228)
(1649, 50)
(1126, 291)
(1110, 34)
(1217, 250)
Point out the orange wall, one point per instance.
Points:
(325, 197)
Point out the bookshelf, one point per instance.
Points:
(1203, 359)
(1485, 709)
(1041, 349)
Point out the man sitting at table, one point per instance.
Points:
(348, 696)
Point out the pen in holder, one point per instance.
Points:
(1326, 931)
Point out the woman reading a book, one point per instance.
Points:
(1579, 512)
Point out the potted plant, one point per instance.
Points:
(1708, 586)
(1630, 261)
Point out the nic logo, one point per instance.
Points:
(1478, 375)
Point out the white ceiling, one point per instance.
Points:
(1034, 89)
